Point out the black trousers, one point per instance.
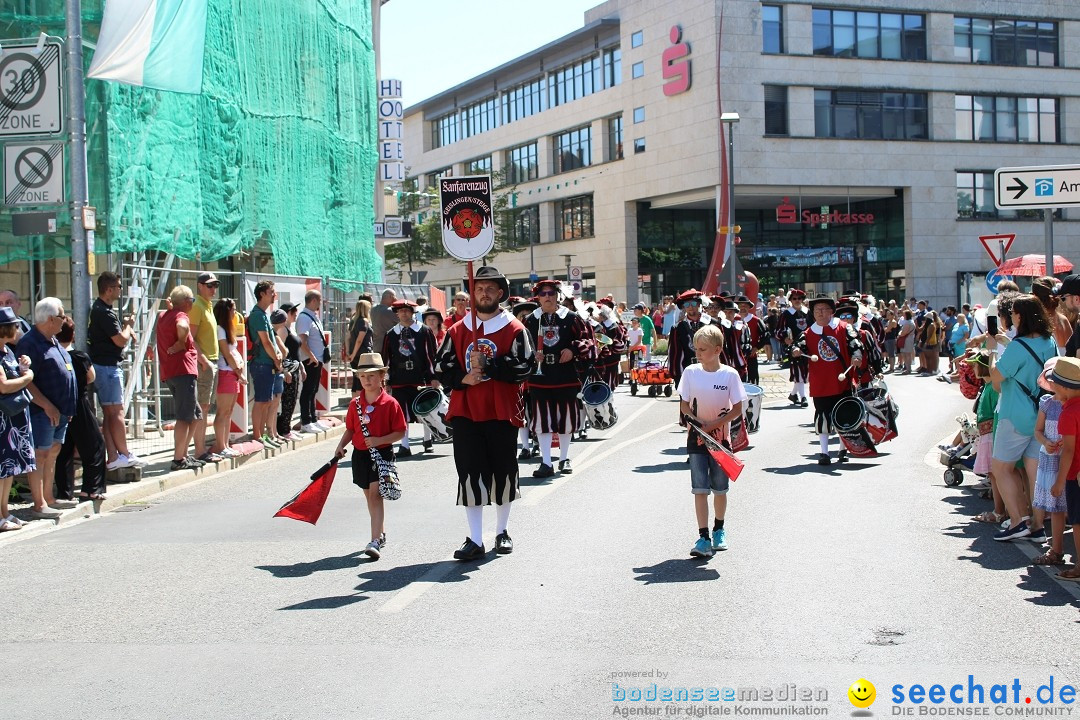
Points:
(85, 435)
(752, 369)
(288, 403)
(308, 391)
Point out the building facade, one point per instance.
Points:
(863, 153)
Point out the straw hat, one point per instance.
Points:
(1066, 373)
(370, 362)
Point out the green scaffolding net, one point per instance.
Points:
(280, 147)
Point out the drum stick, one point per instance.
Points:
(843, 375)
(814, 358)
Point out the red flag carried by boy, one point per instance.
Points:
(307, 505)
(731, 465)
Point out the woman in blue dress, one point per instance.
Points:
(16, 437)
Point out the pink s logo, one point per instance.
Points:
(786, 213)
(676, 70)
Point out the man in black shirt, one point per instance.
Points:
(106, 338)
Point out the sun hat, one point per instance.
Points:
(1066, 373)
(1045, 376)
(369, 362)
(8, 316)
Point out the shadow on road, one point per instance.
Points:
(327, 603)
(1051, 594)
(307, 568)
(677, 571)
(662, 467)
(394, 579)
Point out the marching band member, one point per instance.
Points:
(527, 442)
(793, 323)
(872, 359)
(736, 337)
(758, 336)
(833, 349)
(610, 353)
(562, 343)
(681, 340)
(486, 375)
(410, 348)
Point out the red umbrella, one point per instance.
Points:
(1033, 265)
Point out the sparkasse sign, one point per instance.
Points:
(787, 214)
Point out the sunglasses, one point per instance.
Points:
(546, 293)
(691, 303)
(211, 285)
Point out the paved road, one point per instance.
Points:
(199, 604)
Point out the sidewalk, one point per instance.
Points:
(157, 478)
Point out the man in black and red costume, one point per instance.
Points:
(409, 349)
(486, 372)
(563, 343)
(833, 348)
(610, 355)
(681, 340)
(758, 336)
(793, 323)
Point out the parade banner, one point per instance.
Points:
(468, 223)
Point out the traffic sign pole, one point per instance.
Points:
(1048, 228)
(80, 276)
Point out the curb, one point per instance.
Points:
(157, 479)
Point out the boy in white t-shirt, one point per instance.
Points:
(634, 338)
(712, 395)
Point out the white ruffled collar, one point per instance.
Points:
(833, 324)
(486, 327)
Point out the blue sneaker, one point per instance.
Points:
(719, 539)
(1013, 533)
(702, 548)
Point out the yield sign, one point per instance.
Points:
(991, 243)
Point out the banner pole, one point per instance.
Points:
(472, 313)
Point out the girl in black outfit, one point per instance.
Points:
(84, 433)
(360, 341)
(294, 370)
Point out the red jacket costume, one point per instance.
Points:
(510, 359)
(835, 345)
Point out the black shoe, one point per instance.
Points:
(429, 446)
(503, 544)
(525, 454)
(469, 551)
(823, 459)
(565, 468)
(804, 402)
(842, 456)
(793, 399)
(404, 452)
(543, 471)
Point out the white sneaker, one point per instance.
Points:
(136, 461)
(323, 426)
(311, 428)
(120, 462)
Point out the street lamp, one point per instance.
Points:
(729, 119)
(860, 253)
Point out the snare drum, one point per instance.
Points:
(431, 406)
(599, 405)
(754, 397)
(849, 414)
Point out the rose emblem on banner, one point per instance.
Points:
(467, 223)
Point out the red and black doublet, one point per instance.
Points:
(409, 352)
(554, 406)
(835, 345)
(607, 363)
(485, 417)
(681, 354)
(793, 323)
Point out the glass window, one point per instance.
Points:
(479, 117)
(637, 70)
(1006, 119)
(615, 138)
(639, 115)
(524, 226)
(772, 29)
(574, 218)
(433, 177)
(612, 67)
(573, 149)
(479, 166)
(521, 163)
(1005, 41)
(445, 130)
(869, 34)
(636, 39)
(776, 111)
(870, 115)
(639, 145)
(975, 196)
(523, 100)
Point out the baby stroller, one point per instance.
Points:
(962, 457)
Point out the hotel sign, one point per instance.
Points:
(391, 123)
(788, 214)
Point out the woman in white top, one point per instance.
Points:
(231, 376)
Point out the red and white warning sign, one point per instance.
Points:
(993, 244)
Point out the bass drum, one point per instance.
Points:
(599, 405)
(431, 407)
(754, 397)
(881, 413)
